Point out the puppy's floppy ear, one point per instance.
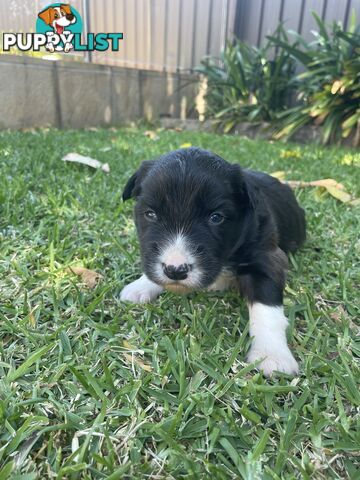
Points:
(245, 190)
(46, 15)
(66, 7)
(133, 186)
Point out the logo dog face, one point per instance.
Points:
(58, 17)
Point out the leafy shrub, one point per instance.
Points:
(246, 84)
(329, 88)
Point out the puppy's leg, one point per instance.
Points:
(267, 320)
(268, 328)
(142, 290)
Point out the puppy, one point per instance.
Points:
(204, 223)
(58, 18)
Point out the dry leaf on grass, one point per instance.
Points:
(279, 174)
(339, 194)
(90, 162)
(89, 277)
(133, 359)
(151, 134)
(331, 186)
(186, 145)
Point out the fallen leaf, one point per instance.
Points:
(339, 194)
(89, 277)
(90, 162)
(133, 359)
(186, 145)
(355, 202)
(329, 185)
(280, 175)
(327, 182)
(151, 134)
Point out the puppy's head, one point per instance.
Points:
(189, 208)
(58, 17)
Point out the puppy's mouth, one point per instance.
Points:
(59, 29)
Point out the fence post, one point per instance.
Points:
(86, 25)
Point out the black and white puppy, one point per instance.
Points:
(204, 223)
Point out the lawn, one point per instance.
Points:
(91, 387)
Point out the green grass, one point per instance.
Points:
(94, 388)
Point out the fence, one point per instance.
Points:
(255, 19)
(174, 35)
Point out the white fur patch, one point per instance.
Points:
(268, 329)
(142, 290)
(178, 252)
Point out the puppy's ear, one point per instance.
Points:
(46, 15)
(66, 7)
(133, 186)
(245, 190)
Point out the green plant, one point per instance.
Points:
(329, 88)
(245, 83)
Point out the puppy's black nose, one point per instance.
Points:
(69, 17)
(179, 272)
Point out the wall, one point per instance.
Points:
(37, 93)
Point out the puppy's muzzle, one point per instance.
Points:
(179, 272)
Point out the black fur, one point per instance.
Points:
(262, 219)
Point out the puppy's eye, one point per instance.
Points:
(150, 215)
(216, 218)
(56, 15)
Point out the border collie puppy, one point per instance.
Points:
(204, 223)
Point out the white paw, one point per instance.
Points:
(281, 361)
(50, 47)
(68, 47)
(142, 290)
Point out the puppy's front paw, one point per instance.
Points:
(281, 361)
(142, 290)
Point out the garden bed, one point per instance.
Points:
(262, 131)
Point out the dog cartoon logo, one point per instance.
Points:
(59, 22)
(59, 29)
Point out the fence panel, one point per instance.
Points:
(258, 18)
(174, 35)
